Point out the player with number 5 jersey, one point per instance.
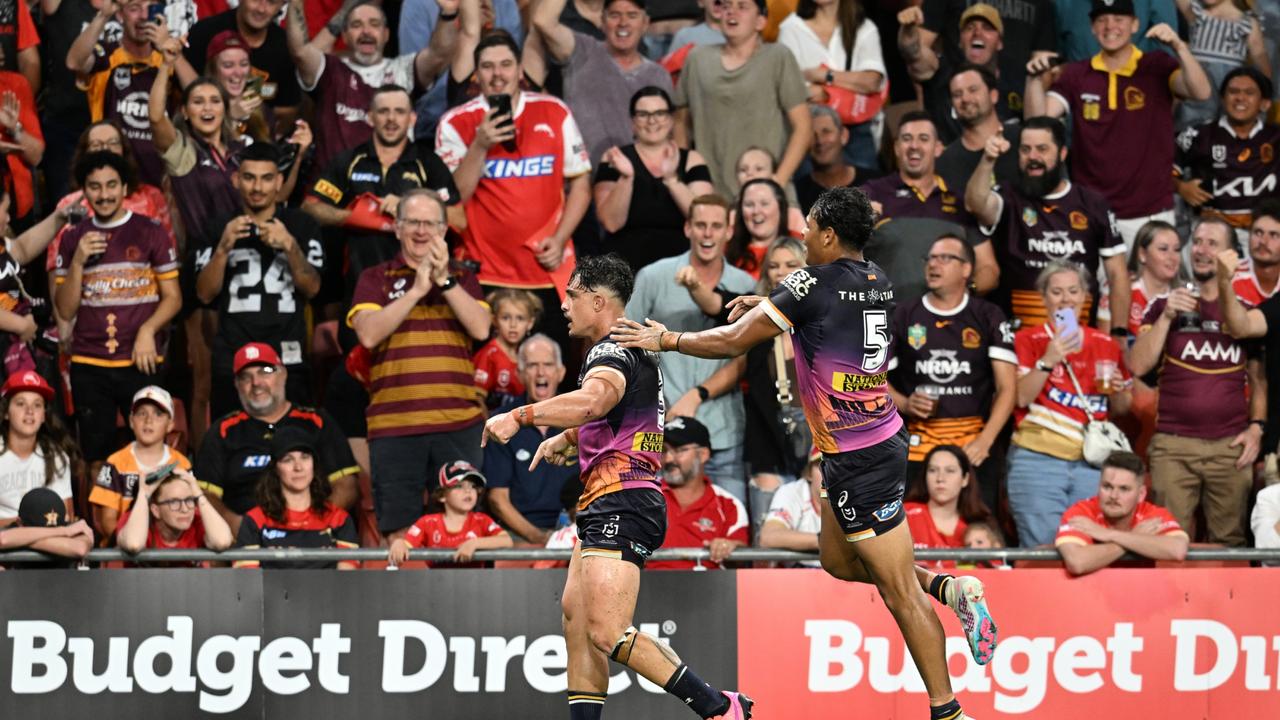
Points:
(837, 312)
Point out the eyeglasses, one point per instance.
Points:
(173, 504)
(436, 225)
(943, 258)
(112, 143)
(647, 115)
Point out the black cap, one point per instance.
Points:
(42, 507)
(637, 3)
(1111, 7)
(289, 438)
(686, 431)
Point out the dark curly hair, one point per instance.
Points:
(53, 440)
(271, 495)
(608, 272)
(848, 213)
(105, 159)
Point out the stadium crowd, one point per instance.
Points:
(269, 265)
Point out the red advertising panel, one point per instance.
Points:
(1125, 643)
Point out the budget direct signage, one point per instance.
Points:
(473, 643)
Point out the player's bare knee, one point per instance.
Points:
(611, 639)
(837, 568)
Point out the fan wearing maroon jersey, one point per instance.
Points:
(837, 310)
(615, 422)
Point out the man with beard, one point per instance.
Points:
(973, 103)
(1210, 427)
(1228, 166)
(527, 502)
(615, 422)
(237, 447)
(343, 85)
(700, 514)
(264, 269)
(1042, 217)
(1259, 278)
(116, 276)
(914, 207)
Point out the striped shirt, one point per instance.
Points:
(117, 483)
(1216, 39)
(422, 377)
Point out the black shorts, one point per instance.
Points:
(626, 525)
(865, 487)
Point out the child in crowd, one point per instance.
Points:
(459, 526)
(756, 162)
(985, 536)
(515, 312)
(151, 420)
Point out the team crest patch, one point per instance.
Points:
(1219, 153)
(970, 339)
(1134, 99)
(916, 336)
(122, 77)
(1244, 155)
(1030, 217)
(1091, 106)
(1266, 153)
(1079, 221)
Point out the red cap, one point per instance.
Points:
(255, 353)
(225, 40)
(27, 381)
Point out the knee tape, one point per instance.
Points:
(622, 649)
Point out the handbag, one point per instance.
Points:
(855, 108)
(1101, 437)
(799, 438)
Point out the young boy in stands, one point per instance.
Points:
(459, 526)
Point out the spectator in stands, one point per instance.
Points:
(1212, 403)
(1121, 103)
(758, 163)
(1047, 471)
(643, 190)
(343, 86)
(38, 450)
(795, 517)
(600, 77)
(836, 45)
(700, 513)
(1265, 519)
(293, 509)
(515, 312)
(983, 536)
(1155, 264)
(238, 445)
(826, 158)
(972, 102)
(528, 502)
(1096, 532)
(22, 139)
(741, 93)
(1041, 217)
(1257, 279)
(941, 503)
(118, 75)
(664, 291)
(183, 517)
(228, 65)
(981, 38)
(1227, 164)
(952, 370)
(707, 32)
(259, 276)
(42, 525)
(255, 21)
(417, 316)
(1222, 37)
(760, 218)
(915, 206)
(511, 176)
(1076, 40)
(64, 112)
(459, 525)
(117, 278)
(120, 479)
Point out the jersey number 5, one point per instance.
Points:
(875, 339)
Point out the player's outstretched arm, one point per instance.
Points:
(725, 341)
(600, 392)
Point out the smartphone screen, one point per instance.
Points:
(253, 85)
(501, 105)
(1065, 322)
(155, 11)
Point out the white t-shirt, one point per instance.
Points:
(18, 475)
(792, 506)
(810, 51)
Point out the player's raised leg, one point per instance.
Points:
(588, 668)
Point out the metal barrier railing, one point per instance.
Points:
(524, 554)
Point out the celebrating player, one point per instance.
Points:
(615, 421)
(837, 310)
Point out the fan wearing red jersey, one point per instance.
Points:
(172, 513)
(459, 525)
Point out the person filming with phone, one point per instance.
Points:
(1064, 367)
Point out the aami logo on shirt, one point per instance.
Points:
(536, 166)
(647, 442)
(257, 461)
(849, 382)
(1212, 351)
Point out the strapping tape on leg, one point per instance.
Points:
(622, 649)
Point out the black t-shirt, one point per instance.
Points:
(936, 92)
(237, 449)
(808, 189)
(62, 98)
(957, 163)
(272, 57)
(1271, 311)
(310, 529)
(259, 302)
(655, 225)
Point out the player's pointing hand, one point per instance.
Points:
(631, 334)
(501, 428)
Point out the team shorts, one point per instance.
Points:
(865, 487)
(626, 525)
